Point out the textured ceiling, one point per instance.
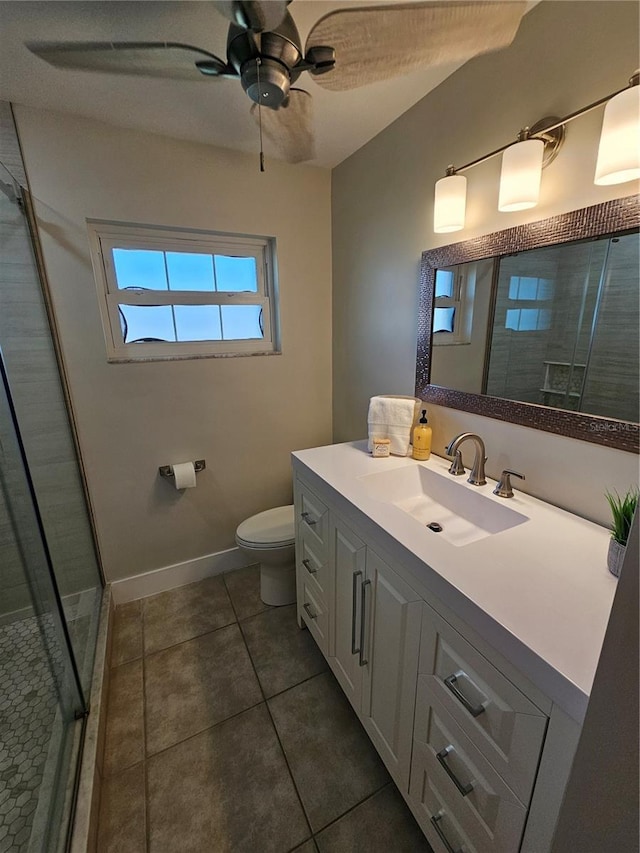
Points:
(210, 111)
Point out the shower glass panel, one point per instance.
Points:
(33, 372)
(50, 585)
(40, 696)
(565, 328)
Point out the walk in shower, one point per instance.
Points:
(50, 586)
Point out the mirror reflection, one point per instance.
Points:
(555, 326)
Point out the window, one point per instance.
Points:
(178, 294)
(453, 305)
(526, 318)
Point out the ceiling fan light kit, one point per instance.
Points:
(345, 49)
(523, 161)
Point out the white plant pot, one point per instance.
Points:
(615, 556)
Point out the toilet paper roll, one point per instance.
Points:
(184, 475)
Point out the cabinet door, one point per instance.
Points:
(393, 613)
(349, 567)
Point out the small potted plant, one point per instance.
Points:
(622, 510)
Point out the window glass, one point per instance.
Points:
(190, 271)
(443, 319)
(444, 283)
(141, 323)
(236, 274)
(198, 322)
(140, 268)
(241, 322)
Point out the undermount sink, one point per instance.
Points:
(455, 511)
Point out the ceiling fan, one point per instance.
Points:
(345, 49)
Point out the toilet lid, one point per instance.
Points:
(273, 527)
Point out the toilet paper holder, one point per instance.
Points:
(167, 470)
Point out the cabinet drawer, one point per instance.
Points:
(313, 568)
(316, 617)
(312, 520)
(484, 806)
(505, 726)
(437, 820)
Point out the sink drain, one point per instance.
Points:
(433, 525)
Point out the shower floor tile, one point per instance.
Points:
(28, 704)
(228, 775)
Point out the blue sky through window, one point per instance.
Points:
(140, 268)
(187, 271)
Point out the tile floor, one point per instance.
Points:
(227, 733)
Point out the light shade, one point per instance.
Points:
(450, 204)
(619, 151)
(520, 175)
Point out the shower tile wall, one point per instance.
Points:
(616, 346)
(31, 364)
(517, 368)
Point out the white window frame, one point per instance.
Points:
(106, 236)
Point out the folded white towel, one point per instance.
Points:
(393, 417)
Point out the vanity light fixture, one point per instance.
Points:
(521, 173)
(537, 146)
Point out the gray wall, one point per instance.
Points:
(243, 415)
(564, 56)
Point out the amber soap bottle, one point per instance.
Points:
(422, 439)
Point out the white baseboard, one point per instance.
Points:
(180, 574)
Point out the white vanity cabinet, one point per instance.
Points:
(469, 666)
(373, 624)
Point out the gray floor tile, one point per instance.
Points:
(126, 643)
(381, 824)
(308, 847)
(282, 653)
(197, 684)
(244, 589)
(122, 813)
(124, 735)
(226, 790)
(189, 611)
(332, 760)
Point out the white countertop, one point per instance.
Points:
(540, 592)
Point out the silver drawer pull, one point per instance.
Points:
(307, 564)
(306, 517)
(474, 710)
(309, 611)
(464, 789)
(435, 821)
(354, 611)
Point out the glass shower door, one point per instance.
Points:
(41, 702)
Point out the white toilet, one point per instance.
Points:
(268, 538)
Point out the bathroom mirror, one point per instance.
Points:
(538, 325)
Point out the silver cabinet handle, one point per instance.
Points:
(464, 789)
(450, 682)
(306, 517)
(363, 610)
(354, 610)
(307, 564)
(309, 611)
(435, 821)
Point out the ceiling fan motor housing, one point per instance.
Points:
(270, 57)
(266, 82)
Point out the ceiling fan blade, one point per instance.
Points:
(290, 128)
(255, 15)
(387, 41)
(151, 59)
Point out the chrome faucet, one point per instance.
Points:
(477, 472)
